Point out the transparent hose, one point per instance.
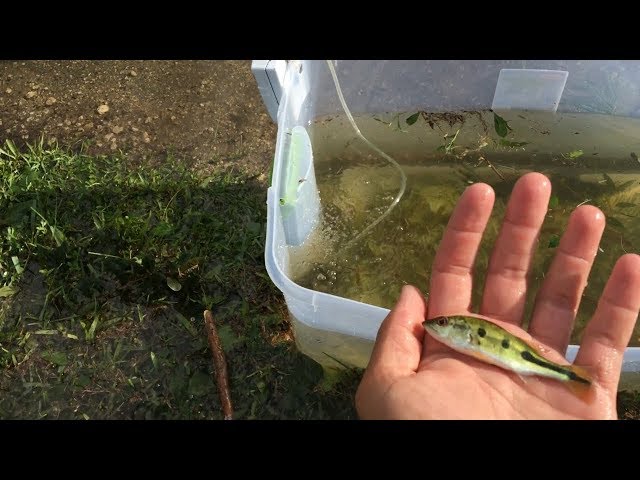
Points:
(403, 177)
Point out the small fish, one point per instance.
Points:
(490, 343)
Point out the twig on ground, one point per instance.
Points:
(220, 365)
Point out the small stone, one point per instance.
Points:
(67, 122)
(117, 130)
(133, 73)
(88, 126)
(50, 101)
(108, 136)
(147, 120)
(102, 109)
(145, 137)
(30, 94)
(113, 145)
(8, 91)
(135, 129)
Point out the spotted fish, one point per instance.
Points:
(490, 343)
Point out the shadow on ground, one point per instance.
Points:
(108, 271)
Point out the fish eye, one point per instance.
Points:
(442, 322)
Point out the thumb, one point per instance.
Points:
(398, 345)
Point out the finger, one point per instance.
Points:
(505, 291)
(559, 296)
(608, 333)
(452, 272)
(451, 276)
(398, 345)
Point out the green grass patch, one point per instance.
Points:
(105, 270)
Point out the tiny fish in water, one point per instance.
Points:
(490, 343)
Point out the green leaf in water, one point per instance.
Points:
(381, 121)
(553, 202)
(575, 154)
(507, 143)
(501, 125)
(609, 180)
(614, 222)
(413, 118)
(554, 241)
(626, 184)
(173, 284)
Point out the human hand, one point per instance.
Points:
(413, 376)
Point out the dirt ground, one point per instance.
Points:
(203, 111)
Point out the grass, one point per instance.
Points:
(106, 270)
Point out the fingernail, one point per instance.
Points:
(405, 294)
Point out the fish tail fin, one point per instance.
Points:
(580, 382)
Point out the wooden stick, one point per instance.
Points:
(492, 167)
(220, 365)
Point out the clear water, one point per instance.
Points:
(589, 159)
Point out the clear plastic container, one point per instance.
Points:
(334, 330)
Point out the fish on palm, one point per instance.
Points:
(490, 343)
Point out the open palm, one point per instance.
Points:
(413, 376)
